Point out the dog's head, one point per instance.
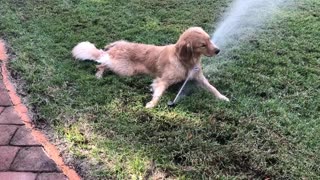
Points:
(195, 42)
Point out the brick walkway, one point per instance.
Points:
(21, 156)
(23, 150)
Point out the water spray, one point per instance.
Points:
(243, 19)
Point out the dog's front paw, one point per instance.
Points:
(150, 104)
(222, 97)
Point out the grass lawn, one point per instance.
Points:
(270, 129)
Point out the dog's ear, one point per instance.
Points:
(185, 50)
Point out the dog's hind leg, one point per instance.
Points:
(159, 86)
(104, 61)
(100, 70)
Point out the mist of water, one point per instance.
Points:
(243, 19)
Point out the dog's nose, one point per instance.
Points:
(217, 51)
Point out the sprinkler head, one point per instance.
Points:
(171, 104)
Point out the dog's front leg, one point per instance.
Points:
(203, 81)
(159, 86)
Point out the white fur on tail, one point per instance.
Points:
(85, 51)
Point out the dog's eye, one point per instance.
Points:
(203, 45)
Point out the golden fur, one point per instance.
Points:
(167, 64)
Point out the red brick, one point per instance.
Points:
(1, 109)
(4, 98)
(1, 84)
(9, 116)
(33, 159)
(23, 137)
(6, 156)
(17, 176)
(51, 176)
(6, 133)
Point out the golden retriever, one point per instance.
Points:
(167, 64)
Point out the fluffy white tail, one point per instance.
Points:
(86, 51)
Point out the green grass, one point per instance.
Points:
(270, 129)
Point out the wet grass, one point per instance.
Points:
(270, 129)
